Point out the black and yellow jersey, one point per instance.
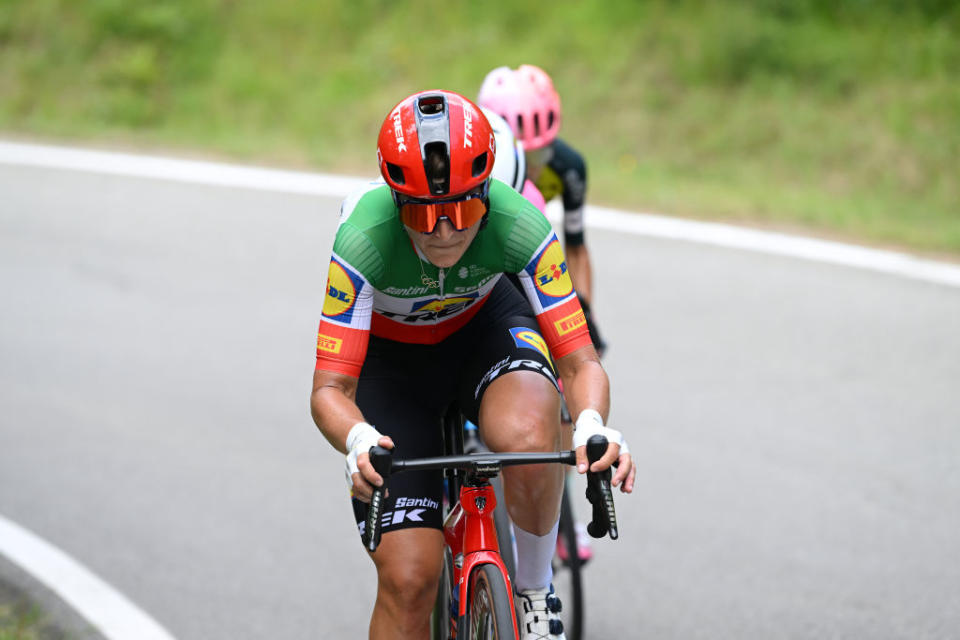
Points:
(566, 175)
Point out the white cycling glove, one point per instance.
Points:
(589, 423)
(362, 436)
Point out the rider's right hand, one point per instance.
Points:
(361, 476)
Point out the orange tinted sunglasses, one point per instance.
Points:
(464, 212)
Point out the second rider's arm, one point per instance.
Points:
(578, 261)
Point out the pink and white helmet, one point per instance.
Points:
(526, 99)
(510, 164)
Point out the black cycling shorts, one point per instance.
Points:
(405, 390)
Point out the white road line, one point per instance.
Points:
(729, 236)
(193, 171)
(116, 617)
(644, 224)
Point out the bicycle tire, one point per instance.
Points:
(568, 575)
(490, 614)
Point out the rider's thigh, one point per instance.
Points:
(409, 562)
(520, 411)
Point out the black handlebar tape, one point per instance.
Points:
(381, 460)
(599, 493)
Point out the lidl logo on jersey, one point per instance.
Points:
(530, 339)
(549, 273)
(343, 285)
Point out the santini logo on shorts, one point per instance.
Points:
(405, 510)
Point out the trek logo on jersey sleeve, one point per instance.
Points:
(343, 285)
(548, 271)
(530, 339)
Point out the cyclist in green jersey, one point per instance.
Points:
(418, 318)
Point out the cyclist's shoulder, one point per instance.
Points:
(367, 205)
(368, 228)
(515, 230)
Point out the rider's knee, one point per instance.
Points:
(535, 433)
(521, 412)
(408, 586)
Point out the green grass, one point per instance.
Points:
(21, 622)
(837, 117)
(21, 618)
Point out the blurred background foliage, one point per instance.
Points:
(836, 117)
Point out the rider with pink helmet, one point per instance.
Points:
(510, 165)
(526, 98)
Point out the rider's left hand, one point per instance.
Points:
(590, 423)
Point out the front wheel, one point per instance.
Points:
(490, 615)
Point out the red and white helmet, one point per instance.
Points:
(435, 144)
(526, 99)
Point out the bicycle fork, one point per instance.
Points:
(472, 539)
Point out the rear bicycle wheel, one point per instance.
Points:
(443, 617)
(490, 614)
(567, 574)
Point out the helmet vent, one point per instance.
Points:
(430, 105)
(396, 173)
(551, 118)
(520, 132)
(436, 164)
(536, 124)
(479, 164)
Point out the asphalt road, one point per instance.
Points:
(797, 426)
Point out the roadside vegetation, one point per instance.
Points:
(834, 117)
(21, 621)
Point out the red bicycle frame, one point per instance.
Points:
(469, 530)
(470, 534)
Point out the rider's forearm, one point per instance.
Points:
(578, 264)
(585, 383)
(334, 410)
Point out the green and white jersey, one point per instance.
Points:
(379, 281)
